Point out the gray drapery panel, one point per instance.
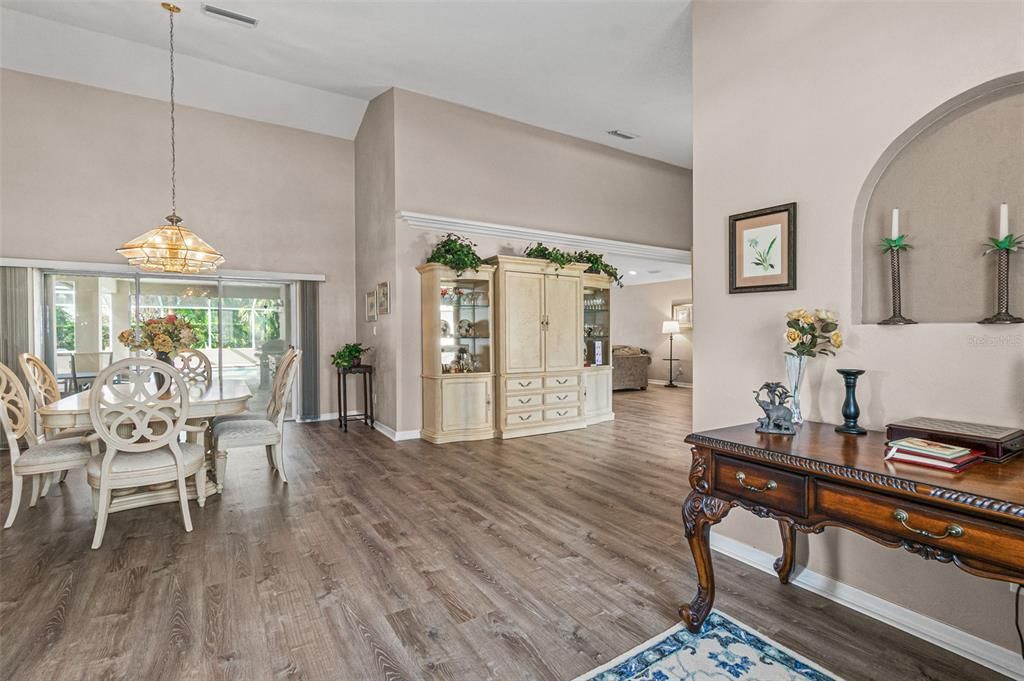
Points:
(15, 314)
(309, 343)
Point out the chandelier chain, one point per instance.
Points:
(173, 159)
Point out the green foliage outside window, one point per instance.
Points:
(65, 328)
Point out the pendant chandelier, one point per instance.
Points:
(172, 247)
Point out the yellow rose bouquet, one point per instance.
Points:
(166, 336)
(812, 334)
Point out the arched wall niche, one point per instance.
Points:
(947, 174)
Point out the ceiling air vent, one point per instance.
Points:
(622, 134)
(228, 15)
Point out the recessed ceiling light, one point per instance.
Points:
(633, 272)
(228, 15)
(622, 134)
(653, 271)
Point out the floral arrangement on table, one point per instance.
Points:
(810, 335)
(166, 336)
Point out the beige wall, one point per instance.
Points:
(85, 169)
(795, 101)
(460, 162)
(948, 184)
(637, 314)
(375, 249)
(457, 162)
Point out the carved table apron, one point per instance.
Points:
(818, 478)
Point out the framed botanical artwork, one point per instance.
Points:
(762, 250)
(371, 306)
(384, 297)
(683, 313)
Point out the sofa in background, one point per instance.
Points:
(629, 367)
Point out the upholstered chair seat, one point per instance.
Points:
(246, 433)
(158, 462)
(52, 455)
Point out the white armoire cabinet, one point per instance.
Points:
(538, 344)
(458, 353)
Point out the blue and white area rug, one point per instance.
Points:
(724, 650)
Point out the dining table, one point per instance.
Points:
(226, 397)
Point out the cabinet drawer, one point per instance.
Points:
(562, 397)
(951, 532)
(524, 418)
(524, 383)
(523, 401)
(557, 414)
(561, 381)
(780, 490)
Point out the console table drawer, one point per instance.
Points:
(953, 532)
(761, 485)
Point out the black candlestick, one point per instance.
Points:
(1003, 315)
(851, 410)
(897, 318)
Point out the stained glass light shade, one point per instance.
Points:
(171, 248)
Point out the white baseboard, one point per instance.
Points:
(658, 381)
(1002, 660)
(397, 436)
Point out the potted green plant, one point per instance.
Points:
(556, 256)
(351, 355)
(456, 252)
(598, 265)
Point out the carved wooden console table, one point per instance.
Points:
(818, 478)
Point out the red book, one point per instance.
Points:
(955, 465)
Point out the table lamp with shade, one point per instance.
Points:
(670, 327)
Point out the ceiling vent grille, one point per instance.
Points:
(228, 15)
(622, 134)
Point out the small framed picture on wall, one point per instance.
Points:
(762, 250)
(384, 297)
(683, 313)
(371, 306)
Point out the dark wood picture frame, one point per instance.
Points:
(788, 248)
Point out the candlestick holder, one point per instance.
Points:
(1002, 315)
(897, 317)
(851, 410)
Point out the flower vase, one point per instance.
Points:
(795, 365)
(160, 378)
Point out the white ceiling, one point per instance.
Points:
(576, 67)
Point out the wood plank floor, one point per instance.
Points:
(536, 558)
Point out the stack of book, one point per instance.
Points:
(920, 452)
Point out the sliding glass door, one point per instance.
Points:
(242, 326)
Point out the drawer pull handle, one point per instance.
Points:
(561, 381)
(562, 413)
(525, 385)
(952, 530)
(525, 418)
(525, 400)
(768, 486)
(561, 397)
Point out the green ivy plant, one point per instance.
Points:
(897, 244)
(598, 265)
(346, 357)
(456, 252)
(557, 256)
(1007, 243)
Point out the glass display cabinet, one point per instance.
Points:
(597, 348)
(458, 354)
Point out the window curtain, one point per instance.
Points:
(15, 314)
(309, 343)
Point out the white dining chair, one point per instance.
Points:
(255, 432)
(42, 457)
(194, 367)
(139, 407)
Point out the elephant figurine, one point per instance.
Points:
(778, 418)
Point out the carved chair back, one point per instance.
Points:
(16, 414)
(194, 367)
(280, 372)
(283, 388)
(139, 404)
(41, 382)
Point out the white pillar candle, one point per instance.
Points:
(895, 223)
(1004, 220)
